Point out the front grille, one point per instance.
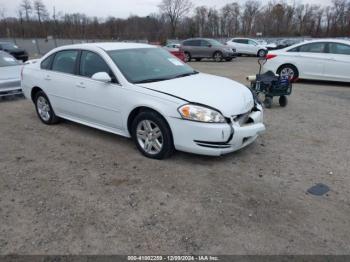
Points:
(242, 119)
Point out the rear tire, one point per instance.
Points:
(218, 56)
(187, 57)
(152, 135)
(44, 109)
(268, 102)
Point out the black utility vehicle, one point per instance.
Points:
(15, 51)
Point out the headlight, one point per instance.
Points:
(201, 114)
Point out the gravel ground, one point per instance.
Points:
(70, 189)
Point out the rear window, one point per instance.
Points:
(7, 60)
(241, 41)
(46, 64)
(310, 48)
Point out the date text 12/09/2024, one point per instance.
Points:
(173, 258)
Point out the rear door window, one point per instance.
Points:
(192, 43)
(65, 61)
(313, 48)
(339, 49)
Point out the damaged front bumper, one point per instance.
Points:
(218, 139)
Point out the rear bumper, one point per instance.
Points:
(215, 139)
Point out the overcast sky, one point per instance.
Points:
(117, 8)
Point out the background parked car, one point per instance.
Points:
(14, 50)
(287, 42)
(246, 46)
(318, 60)
(10, 75)
(199, 48)
(175, 49)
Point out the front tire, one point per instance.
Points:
(152, 135)
(283, 101)
(262, 53)
(44, 109)
(290, 71)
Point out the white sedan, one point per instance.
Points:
(10, 75)
(317, 60)
(143, 92)
(248, 46)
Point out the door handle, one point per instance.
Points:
(47, 78)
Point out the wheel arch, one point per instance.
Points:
(137, 110)
(34, 91)
(288, 64)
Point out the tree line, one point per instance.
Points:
(181, 19)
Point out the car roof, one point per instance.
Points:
(327, 40)
(198, 38)
(109, 46)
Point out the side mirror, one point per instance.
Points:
(102, 77)
(210, 46)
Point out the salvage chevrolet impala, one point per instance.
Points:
(143, 92)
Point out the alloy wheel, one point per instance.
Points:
(218, 57)
(287, 71)
(43, 108)
(150, 137)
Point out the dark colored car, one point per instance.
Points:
(15, 51)
(287, 42)
(199, 48)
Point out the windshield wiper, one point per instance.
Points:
(151, 80)
(187, 74)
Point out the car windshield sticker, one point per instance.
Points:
(176, 61)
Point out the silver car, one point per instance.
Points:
(199, 48)
(10, 75)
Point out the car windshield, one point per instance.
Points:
(214, 42)
(147, 65)
(8, 46)
(7, 60)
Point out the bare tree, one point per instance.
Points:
(251, 10)
(201, 17)
(230, 15)
(175, 10)
(26, 6)
(40, 10)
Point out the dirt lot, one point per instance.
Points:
(70, 189)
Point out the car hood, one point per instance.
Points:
(229, 97)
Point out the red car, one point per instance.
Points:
(176, 50)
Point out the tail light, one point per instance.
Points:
(270, 56)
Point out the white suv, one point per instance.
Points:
(246, 46)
